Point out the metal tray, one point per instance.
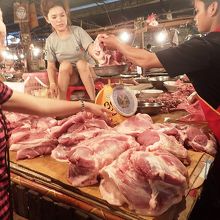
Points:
(157, 81)
(128, 75)
(149, 108)
(157, 70)
(156, 74)
(113, 70)
(142, 80)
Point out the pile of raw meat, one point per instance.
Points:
(178, 101)
(172, 100)
(138, 163)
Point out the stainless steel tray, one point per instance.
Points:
(113, 70)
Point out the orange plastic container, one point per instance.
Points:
(103, 98)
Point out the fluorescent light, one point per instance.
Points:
(125, 37)
(36, 51)
(22, 56)
(7, 55)
(161, 37)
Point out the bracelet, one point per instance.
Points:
(82, 105)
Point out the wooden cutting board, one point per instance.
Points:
(57, 172)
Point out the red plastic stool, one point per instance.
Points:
(71, 89)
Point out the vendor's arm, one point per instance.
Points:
(24, 103)
(51, 58)
(139, 57)
(91, 51)
(52, 71)
(86, 41)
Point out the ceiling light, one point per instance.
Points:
(36, 51)
(161, 37)
(125, 37)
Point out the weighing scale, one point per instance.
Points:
(119, 100)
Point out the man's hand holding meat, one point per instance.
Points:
(110, 41)
(139, 57)
(98, 49)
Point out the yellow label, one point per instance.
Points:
(103, 98)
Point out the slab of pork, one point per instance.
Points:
(148, 182)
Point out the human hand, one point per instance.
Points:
(98, 110)
(110, 41)
(97, 49)
(54, 90)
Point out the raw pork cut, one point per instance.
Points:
(99, 53)
(135, 124)
(44, 148)
(106, 57)
(75, 122)
(200, 140)
(37, 144)
(153, 140)
(81, 131)
(88, 157)
(19, 134)
(60, 153)
(70, 139)
(172, 129)
(195, 112)
(148, 182)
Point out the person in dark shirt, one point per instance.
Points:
(199, 58)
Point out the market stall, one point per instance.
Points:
(126, 93)
(31, 174)
(48, 177)
(148, 160)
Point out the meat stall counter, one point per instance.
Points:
(43, 181)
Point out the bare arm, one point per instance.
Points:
(91, 52)
(28, 104)
(90, 49)
(51, 69)
(2, 38)
(139, 57)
